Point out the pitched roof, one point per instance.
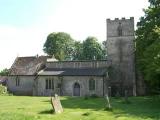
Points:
(28, 65)
(73, 71)
(3, 78)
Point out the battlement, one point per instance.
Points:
(122, 19)
(120, 27)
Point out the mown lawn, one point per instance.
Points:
(39, 108)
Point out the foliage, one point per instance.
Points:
(59, 44)
(78, 51)
(3, 90)
(92, 50)
(148, 44)
(63, 47)
(4, 72)
(94, 96)
(39, 108)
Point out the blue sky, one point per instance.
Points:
(25, 24)
(22, 13)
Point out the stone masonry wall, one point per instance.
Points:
(120, 51)
(67, 83)
(25, 85)
(78, 64)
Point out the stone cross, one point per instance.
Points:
(56, 104)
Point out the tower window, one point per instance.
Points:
(91, 84)
(119, 29)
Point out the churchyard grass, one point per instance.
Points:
(39, 108)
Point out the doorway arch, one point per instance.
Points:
(76, 89)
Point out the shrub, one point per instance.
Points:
(3, 90)
(86, 97)
(94, 96)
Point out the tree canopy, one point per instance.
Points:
(59, 44)
(148, 44)
(92, 50)
(63, 47)
(4, 72)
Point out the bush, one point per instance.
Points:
(94, 96)
(3, 90)
(86, 97)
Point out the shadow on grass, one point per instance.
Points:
(86, 114)
(51, 111)
(144, 107)
(81, 103)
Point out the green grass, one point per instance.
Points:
(39, 108)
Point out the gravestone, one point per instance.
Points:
(56, 104)
(108, 107)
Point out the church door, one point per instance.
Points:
(76, 89)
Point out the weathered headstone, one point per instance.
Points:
(56, 104)
(108, 107)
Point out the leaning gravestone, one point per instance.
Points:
(56, 104)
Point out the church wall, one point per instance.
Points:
(77, 64)
(67, 83)
(41, 86)
(25, 85)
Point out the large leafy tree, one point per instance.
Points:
(63, 47)
(148, 44)
(4, 72)
(59, 44)
(92, 50)
(78, 51)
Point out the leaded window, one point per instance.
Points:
(49, 83)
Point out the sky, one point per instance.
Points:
(25, 24)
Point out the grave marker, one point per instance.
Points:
(56, 104)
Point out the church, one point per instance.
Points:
(45, 76)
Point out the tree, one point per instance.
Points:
(148, 44)
(92, 50)
(4, 72)
(78, 51)
(59, 44)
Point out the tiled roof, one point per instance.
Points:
(3, 78)
(28, 65)
(73, 71)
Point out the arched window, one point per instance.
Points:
(92, 84)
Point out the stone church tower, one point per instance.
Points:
(120, 51)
